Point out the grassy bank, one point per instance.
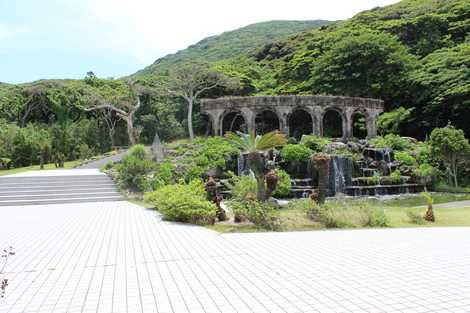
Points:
(395, 210)
(50, 166)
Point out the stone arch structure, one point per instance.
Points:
(334, 123)
(359, 124)
(232, 120)
(266, 121)
(206, 125)
(300, 122)
(284, 106)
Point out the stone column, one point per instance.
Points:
(216, 121)
(283, 115)
(348, 123)
(371, 123)
(317, 120)
(249, 116)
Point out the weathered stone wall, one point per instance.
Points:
(283, 106)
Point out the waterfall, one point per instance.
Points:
(241, 164)
(340, 174)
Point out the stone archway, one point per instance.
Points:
(233, 121)
(359, 125)
(204, 125)
(332, 124)
(300, 123)
(266, 121)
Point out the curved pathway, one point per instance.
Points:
(102, 162)
(119, 257)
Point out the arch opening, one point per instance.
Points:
(234, 121)
(332, 124)
(203, 125)
(300, 123)
(359, 125)
(266, 122)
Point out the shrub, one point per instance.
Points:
(391, 141)
(415, 217)
(184, 203)
(85, 152)
(375, 180)
(163, 175)
(295, 153)
(395, 176)
(424, 170)
(315, 143)
(261, 214)
(132, 172)
(109, 165)
(139, 151)
(405, 158)
(243, 186)
(284, 185)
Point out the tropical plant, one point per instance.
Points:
(256, 146)
(429, 215)
(322, 163)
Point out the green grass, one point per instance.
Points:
(47, 167)
(395, 209)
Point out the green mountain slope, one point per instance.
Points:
(415, 53)
(233, 43)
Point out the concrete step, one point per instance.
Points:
(56, 183)
(52, 177)
(58, 201)
(56, 190)
(59, 195)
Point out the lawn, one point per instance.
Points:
(395, 209)
(50, 166)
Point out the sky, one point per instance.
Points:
(67, 38)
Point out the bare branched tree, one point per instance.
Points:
(124, 106)
(110, 118)
(190, 82)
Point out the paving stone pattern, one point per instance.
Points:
(118, 257)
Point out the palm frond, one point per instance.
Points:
(271, 140)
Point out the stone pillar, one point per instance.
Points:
(348, 123)
(283, 116)
(317, 120)
(249, 115)
(215, 116)
(371, 124)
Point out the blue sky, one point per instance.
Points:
(67, 38)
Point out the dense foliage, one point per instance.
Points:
(184, 203)
(232, 43)
(413, 54)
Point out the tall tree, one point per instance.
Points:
(190, 82)
(450, 145)
(124, 105)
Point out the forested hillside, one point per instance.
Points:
(232, 43)
(414, 54)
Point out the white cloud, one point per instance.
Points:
(148, 29)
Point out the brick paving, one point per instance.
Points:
(118, 257)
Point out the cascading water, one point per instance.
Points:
(340, 174)
(242, 165)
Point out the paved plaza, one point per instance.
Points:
(119, 257)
